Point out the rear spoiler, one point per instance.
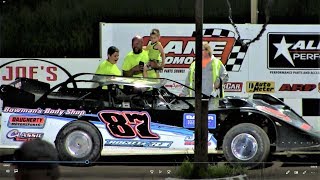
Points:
(33, 85)
(270, 99)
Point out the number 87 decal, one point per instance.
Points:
(128, 124)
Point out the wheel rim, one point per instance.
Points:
(244, 146)
(78, 144)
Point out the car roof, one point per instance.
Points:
(120, 80)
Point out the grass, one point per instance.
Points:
(186, 171)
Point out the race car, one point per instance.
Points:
(91, 115)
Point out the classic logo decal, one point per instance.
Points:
(16, 135)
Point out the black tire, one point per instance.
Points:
(262, 141)
(91, 132)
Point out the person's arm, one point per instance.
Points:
(223, 75)
(145, 71)
(163, 56)
(185, 90)
(146, 48)
(133, 71)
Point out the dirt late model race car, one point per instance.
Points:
(91, 115)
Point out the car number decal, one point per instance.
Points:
(128, 124)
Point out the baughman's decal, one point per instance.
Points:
(47, 111)
(31, 122)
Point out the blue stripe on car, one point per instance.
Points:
(154, 126)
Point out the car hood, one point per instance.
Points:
(265, 104)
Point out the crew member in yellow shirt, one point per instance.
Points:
(109, 66)
(135, 62)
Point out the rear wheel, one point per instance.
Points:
(79, 141)
(247, 145)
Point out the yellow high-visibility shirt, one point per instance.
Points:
(133, 59)
(154, 54)
(106, 68)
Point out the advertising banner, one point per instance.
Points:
(284, 62)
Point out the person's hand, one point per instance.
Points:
(216, 84)
(137, 68)
(153, 64)
(145, 68)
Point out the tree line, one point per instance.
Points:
(70, 28)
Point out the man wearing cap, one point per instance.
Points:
(136, 60)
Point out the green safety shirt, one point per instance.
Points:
(154, 54)
(107, 68)
(132, 59)
(216, 67)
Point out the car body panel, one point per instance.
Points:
(159, 121)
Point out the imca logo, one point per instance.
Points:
(180, 50)
(293, 51)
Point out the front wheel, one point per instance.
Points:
(246, 145)
(80, 142)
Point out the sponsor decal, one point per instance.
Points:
(189, 120)
(233, 87)
(294, 51)
(32, 122)
(260, 86)
(189, 140)
(38, 69)
(47, 111)
(305, 127)
(128, 124)
(180, 50)
(16, 135)
(173, 85)
(274, 112)
(138, 143)
(298, 87)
